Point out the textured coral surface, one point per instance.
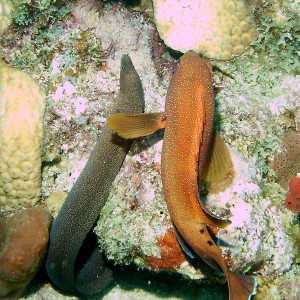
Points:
(217, 29)
(22, 105)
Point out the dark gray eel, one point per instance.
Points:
(86, 199)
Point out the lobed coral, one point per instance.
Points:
(217, 29)
(22, 105)
(23, 245)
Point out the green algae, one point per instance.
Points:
(43, 12)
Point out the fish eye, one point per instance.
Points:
(180, 59)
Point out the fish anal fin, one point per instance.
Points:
(133, 126)
(241, 287)
(183, 244)
(212, 219)
(219, 164)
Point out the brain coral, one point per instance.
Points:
(22, 105)
(217, 29)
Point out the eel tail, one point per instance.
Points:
(241, 287)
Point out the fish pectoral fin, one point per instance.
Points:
(133, 126)
(219, 164)
(212, 219)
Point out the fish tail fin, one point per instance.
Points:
(241, 287)
(133, 126)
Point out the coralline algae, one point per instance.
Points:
(251, 117)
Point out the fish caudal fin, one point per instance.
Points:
(133, 126)
(241, 287)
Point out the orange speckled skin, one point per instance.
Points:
(189, 110)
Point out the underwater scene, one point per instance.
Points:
(150, 149)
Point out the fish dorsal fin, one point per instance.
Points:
(133, 126)
(213, 219)
(219, 163)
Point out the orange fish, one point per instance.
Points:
(188, 123)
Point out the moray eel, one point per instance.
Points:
(188, 123)
(86, 199)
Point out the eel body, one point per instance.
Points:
(188, 123)
(87, 197)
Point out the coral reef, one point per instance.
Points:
(23, 245)
(22, 105)
(217, 29)
(255, 107)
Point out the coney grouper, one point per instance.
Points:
(188, 122)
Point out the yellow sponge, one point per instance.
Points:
(22, 105)
(217, 29)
